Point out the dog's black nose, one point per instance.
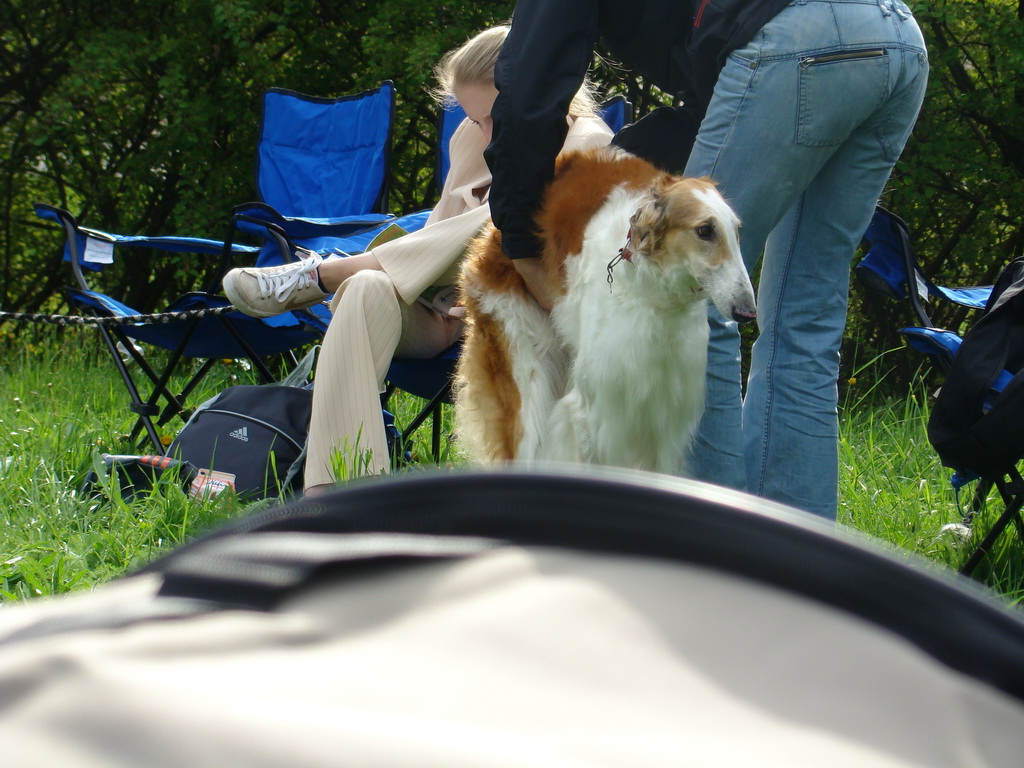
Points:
(743, 316)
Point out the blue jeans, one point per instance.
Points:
(803, 130)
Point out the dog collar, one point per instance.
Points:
(624, 253)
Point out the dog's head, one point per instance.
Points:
(685, 223)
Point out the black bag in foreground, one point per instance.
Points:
(969, 429)
(251, 437)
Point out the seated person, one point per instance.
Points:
(396, 299)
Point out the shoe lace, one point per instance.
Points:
(293, 278)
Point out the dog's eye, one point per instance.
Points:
(705, 231)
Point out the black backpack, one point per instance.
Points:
(255, 432)
(971, 430)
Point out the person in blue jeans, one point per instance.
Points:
(798, 109)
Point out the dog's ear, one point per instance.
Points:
(664, 182)
(647, 224)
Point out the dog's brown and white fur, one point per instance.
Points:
(615, 374)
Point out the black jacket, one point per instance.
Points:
(678, 45)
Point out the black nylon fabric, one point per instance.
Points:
(965, 435)
(255, 432)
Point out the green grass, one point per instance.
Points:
(893, 488)
(61, 406)
(59, 411)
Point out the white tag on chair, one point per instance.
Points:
(922, 286)
(98, 251)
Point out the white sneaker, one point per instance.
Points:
(269, 291)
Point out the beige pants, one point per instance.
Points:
(371, 325)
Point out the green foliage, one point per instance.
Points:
(894, 489)
(960, 183)
(61, 406)
(143, 118)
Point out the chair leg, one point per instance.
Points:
(178, 407)
(981, 490)
(144, 410)
(1012, 493)
(431, 409)
(435, 434)
(149, 411)
(149, 408)
(256, 360)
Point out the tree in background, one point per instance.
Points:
(142, 117)
(960, 182)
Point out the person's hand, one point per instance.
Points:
(538, 283)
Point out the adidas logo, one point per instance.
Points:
(240, 434)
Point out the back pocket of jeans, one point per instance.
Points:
(839, 91)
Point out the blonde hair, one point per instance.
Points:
(474, 62)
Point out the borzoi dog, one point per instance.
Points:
(614, 375)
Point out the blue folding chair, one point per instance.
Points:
(617, 112)
(890, 268)
(204, 330)
(323, 169)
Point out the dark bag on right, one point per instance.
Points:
(972, 428)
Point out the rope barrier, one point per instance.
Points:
(154, 319)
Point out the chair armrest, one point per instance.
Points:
(92, 249)
(340, 236)
(299, 228)
(944, 345)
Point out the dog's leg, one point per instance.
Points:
(567, 436)
(541, 377)
(519, 385)
(487, 403)
(511, 368)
